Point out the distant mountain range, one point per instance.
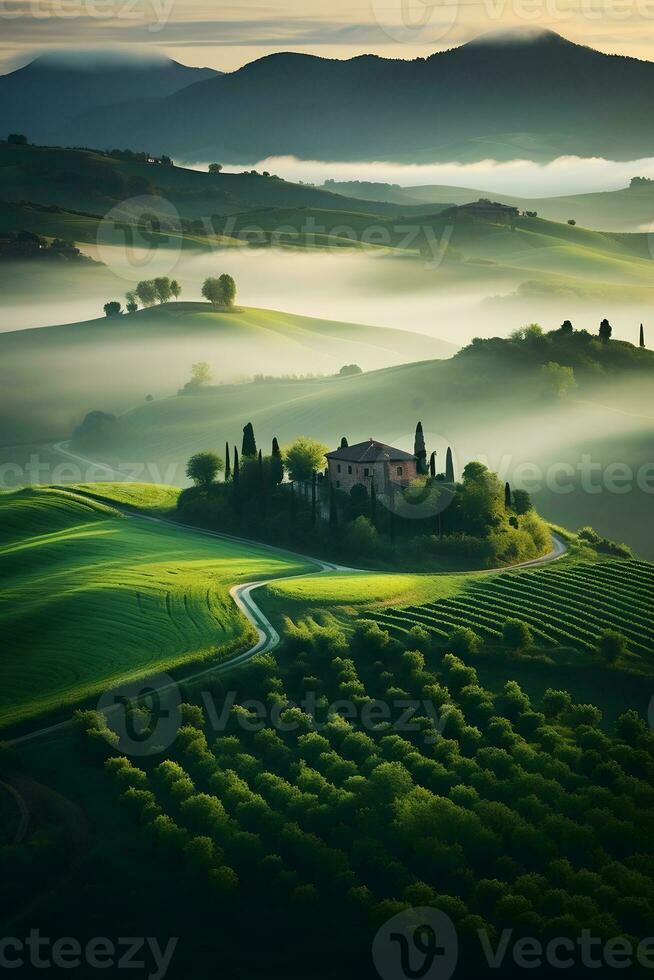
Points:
(45, 98)
(531, 95)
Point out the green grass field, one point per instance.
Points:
(151, 498)
(92, 597)
(566, 605)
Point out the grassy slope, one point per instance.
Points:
(495, 411)
(151, 498)
(91, 597)
(553, 252)
(620, 210)
(86, 180)
(52, 376)
(567, 605)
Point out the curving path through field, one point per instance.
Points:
(267, 636)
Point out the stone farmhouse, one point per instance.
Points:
(368, 461)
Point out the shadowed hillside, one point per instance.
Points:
(542, 97)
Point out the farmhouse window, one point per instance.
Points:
(399, 471)
(366, 472)
(338, 467)
(349, 470)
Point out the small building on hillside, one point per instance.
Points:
(488, 211)
(368, 461)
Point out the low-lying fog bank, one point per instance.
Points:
(355, 287)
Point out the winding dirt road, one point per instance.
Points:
(267, 636)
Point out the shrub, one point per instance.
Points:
(464, 642)
(516, 634)
(611, 645)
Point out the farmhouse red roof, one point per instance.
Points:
(369, 452)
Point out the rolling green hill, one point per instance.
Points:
(626, 210)
(470, 245)
(93, 181)
(91, 597)
(567, 604)
(492, 401)
(51, 377)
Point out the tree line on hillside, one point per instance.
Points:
(21, 245)
(284, 497)
(220, 292)
(558, 356)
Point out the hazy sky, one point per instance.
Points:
(225, 35)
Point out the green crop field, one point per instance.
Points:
(92, 597)
(566, 605)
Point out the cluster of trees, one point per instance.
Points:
(590, 536)
(513, 812)
(220, 291)
(560, 357)
(217, 168)
(19, 245)
(147, 293)
(142, 156)
(251, 472)
(284, 497)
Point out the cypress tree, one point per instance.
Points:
(507, 496)
(314, 510)
(373, 501)
(449, 466)
(228, 465)
(236, 484)
(642, 336)
(277, 462)
(432, 465)
(344, 443)
(605, 331)
(292, 503)
(419, 449)
(249, 446)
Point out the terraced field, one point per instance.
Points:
(91, 597)
(567, 605)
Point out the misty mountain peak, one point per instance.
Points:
(521, 37)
